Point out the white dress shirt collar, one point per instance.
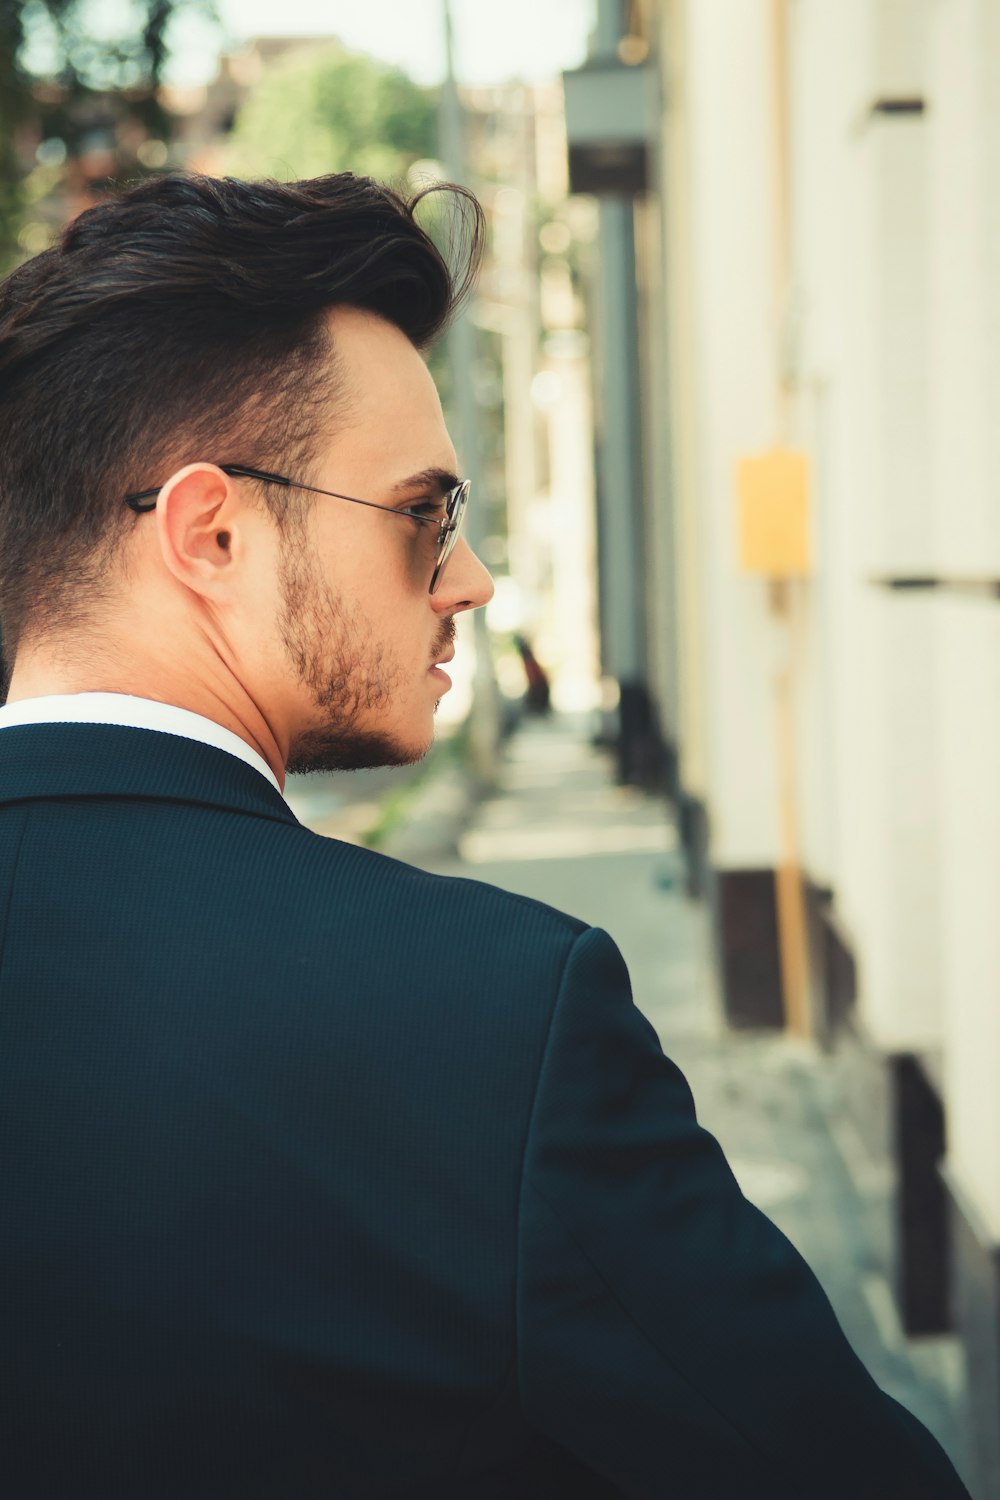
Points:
(135, 713)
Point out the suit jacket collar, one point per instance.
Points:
(39, 762)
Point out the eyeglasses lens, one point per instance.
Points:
(457, 501)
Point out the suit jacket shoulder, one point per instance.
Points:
(325, 1175)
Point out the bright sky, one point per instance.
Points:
(495, 40)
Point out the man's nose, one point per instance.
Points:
(467, 582)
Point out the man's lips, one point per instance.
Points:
(435, 669)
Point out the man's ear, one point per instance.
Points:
(200, 518)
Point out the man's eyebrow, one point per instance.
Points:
(428, 479)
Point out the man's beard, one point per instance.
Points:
(333, 653)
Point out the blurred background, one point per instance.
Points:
(730, 394)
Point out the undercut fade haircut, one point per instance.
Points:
(180, 321)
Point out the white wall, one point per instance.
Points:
(729, 123)
(971, 742)
(871, 813)
(892, 337)
(965, 357)
(677, 328)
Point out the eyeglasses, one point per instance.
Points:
(449, 525)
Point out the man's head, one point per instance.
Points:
(188, 327)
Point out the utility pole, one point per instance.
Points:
(484, 721)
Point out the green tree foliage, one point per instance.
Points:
(63, 79)
(323, 111)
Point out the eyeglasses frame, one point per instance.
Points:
(449, 527)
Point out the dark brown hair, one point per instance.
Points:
(183, 320)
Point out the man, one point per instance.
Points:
(321, 1176)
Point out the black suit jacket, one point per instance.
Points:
(325, 1177)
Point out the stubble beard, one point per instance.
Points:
(332, 650)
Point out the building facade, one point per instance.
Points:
(811, 258)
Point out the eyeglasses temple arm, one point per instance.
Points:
(233, 470)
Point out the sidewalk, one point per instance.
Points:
(559, 830)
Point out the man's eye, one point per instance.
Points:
(432, 509)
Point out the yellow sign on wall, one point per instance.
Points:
(773, 491)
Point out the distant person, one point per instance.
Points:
(322, 1177)
(537, 693)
